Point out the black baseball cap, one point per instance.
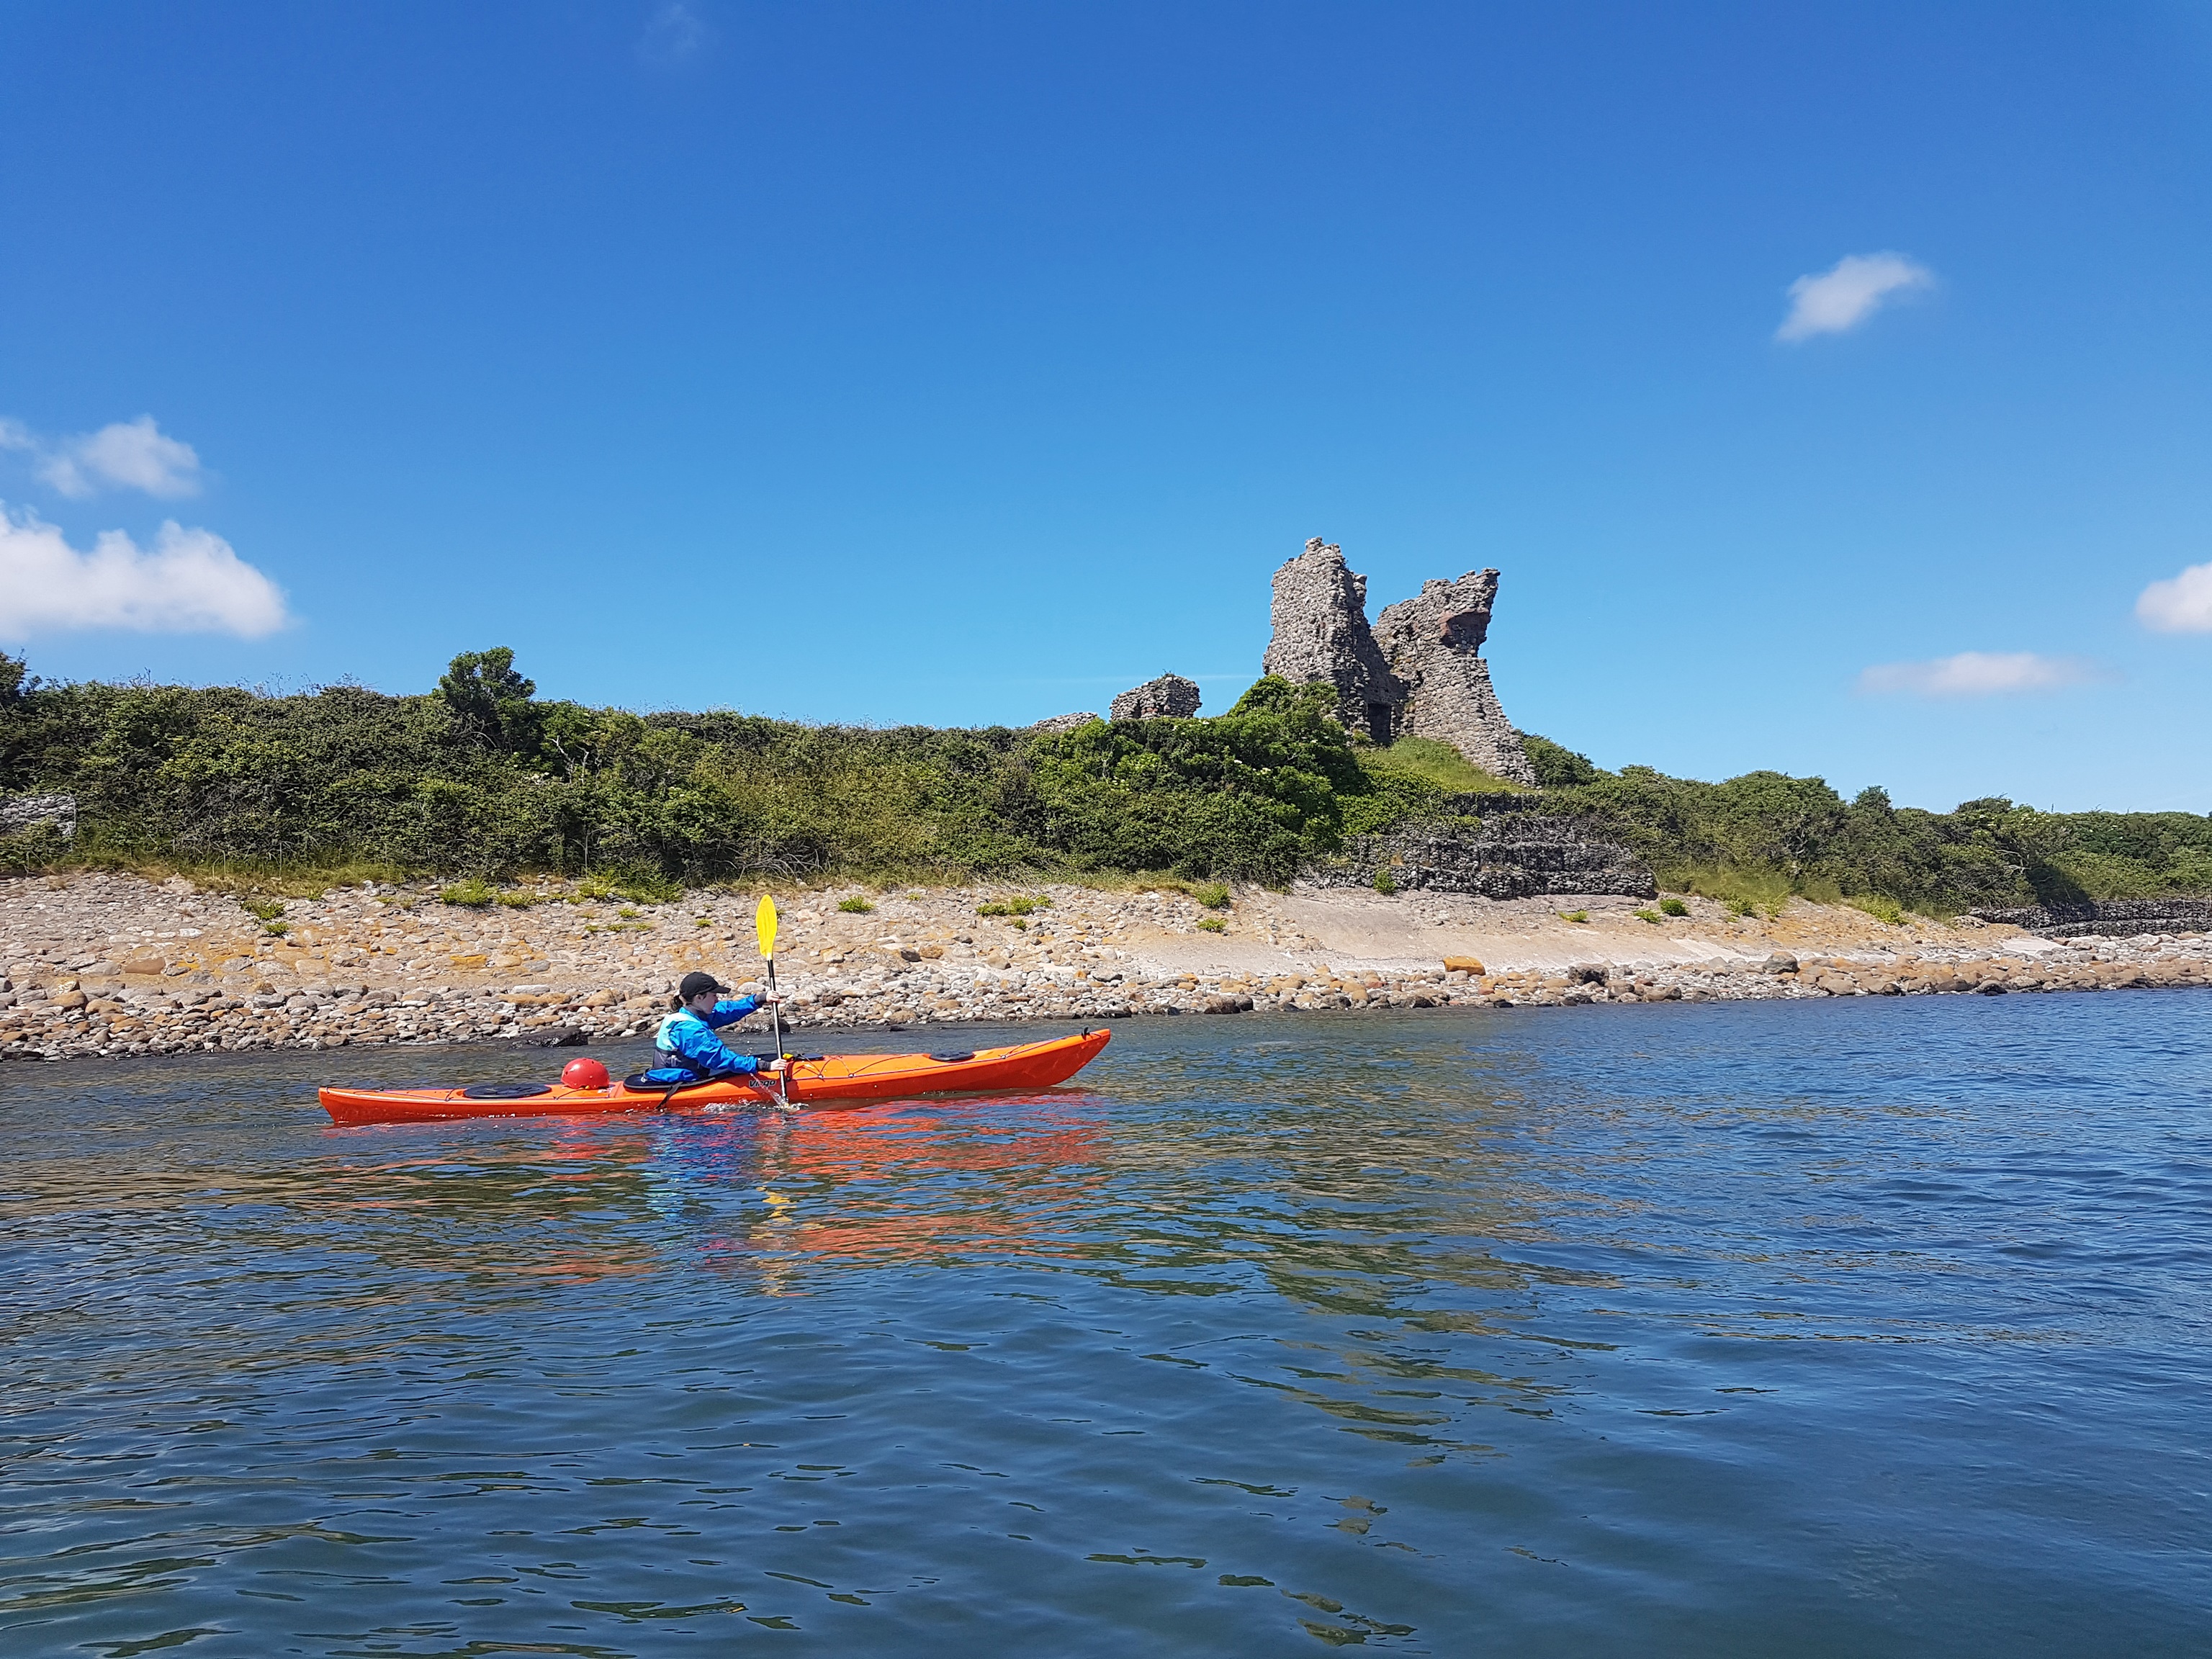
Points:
(697, 984)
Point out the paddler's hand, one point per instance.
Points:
(778, 1064)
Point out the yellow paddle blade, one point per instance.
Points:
(764, 924)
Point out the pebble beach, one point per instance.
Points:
(108, 964)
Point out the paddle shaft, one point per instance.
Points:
(775, 1024)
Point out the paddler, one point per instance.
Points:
(689, 1050)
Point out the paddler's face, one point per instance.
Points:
(703, 1003)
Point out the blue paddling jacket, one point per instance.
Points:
(690, 1049)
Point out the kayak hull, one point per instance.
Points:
(832, 1081)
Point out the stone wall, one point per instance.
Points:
(1494, 846)
(20, 814)
(2110, 918)
(1417, 673)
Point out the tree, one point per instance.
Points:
(490, 700)
(16, 680)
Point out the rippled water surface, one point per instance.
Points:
(1839, 1328)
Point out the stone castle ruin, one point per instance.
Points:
(1169, 697)
(1418, 672)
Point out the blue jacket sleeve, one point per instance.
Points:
(729, 1013)
(708, 1052)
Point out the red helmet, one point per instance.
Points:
(584, 1073)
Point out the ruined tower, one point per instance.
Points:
(1321, 634)
(1433, 643)
(1418, 673)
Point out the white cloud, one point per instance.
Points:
(122, 455)
(1980, 674)
(2179, 604)
(1848, 293)
(125, 455)
(675, 32)
(189, 582)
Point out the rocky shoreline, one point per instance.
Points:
(103, 964)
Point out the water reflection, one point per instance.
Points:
(1622, 1333)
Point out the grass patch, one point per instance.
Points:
(1744, 891)
(1385, 882)
(1881, 909)
(232, 877)
(1212, 925)
(517, 898)
(1672, 907)
(470, 894)
(1652, 916)
(1424, 760)
(643, 887)
(1019, 905)
(1212, 895)
(856, 906)
(1574, 915)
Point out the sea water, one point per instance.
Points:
(1870, 1327)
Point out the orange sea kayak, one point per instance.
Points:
(824, 1080)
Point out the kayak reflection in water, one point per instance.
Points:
(689, 1050)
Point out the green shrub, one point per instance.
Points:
(471, 894)
(1574, 915)
(1880, 909)
(1020, 905)
(1739, 910)
(1250, 796)
(483, 778)
(1212, 894)
(856, 906)
(1556, 765)
(518, 899)
(1385, 882)
(1672, 907)
(1210, 925)
(264, 910)
(40, 848)
(1652, 916)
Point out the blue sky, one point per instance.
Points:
(968, 363)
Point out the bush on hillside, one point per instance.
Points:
(479, 779)
(1556, 765)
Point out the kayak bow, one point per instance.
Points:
(827, 1080)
